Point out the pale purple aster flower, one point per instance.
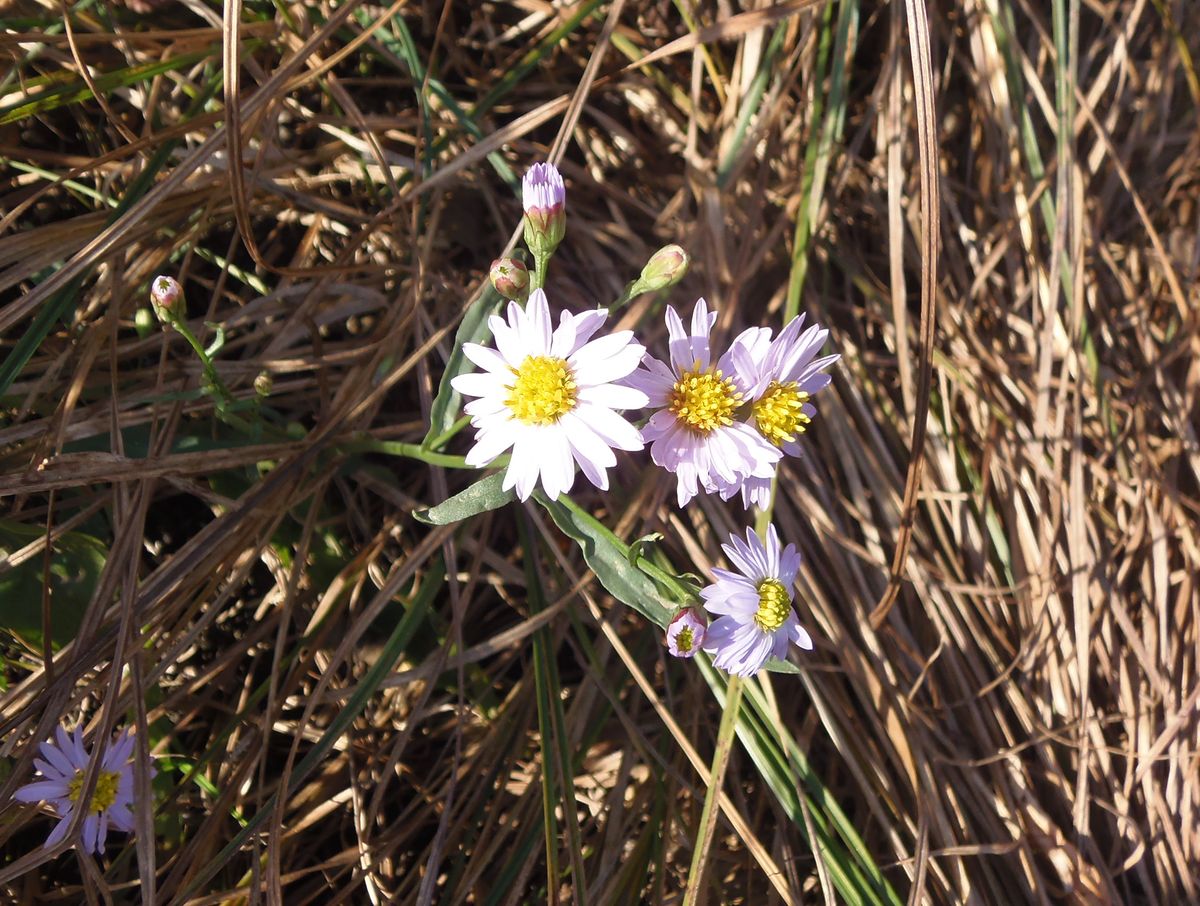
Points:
(551, 396)
(694, 434)
(63, 768)
(755, 620)
(685, 633)
(783, 375)
(544, 198)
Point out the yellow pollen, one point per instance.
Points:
(704, 400)
(773, 605)
(683, 641)
(104, 795)
(544, 390)
(779, 413)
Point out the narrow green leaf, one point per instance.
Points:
(608, 556)
(473, 329)
(483, 495)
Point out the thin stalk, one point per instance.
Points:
(708, 816)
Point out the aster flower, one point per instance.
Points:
(63, 768)
(685, 633)
(551, 397)
(694, 434)
(783, 375)
(544, 198)
(755, 620)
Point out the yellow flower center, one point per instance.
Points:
(105, 793)
(684, 640)
(544, 390)
(779, 413)
(704, 400)
(773, 605)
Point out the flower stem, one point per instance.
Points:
(716, 780)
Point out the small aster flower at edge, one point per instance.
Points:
(552, 396)
(753, 606)
(694, 433)
(783, 374)
(686, 632)
(63, 768)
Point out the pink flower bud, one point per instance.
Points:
(166, 296)
(666, 267)
(510, 278)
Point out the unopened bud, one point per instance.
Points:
(545, 201)
(263, 384)
(685, 633)
(510, 278)
(166, 297)
(666, 267)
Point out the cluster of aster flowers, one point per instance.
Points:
(63, 769)
(557, 398)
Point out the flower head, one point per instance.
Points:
(783, 376)
(544, 198)
(550, 396)
(685, 633)
(696, 434)
(63, 768)
(755, 620)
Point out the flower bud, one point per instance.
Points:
(166, 297)
(666, 267)
(685, 633)
(510, 278)
(263, 384)
(545, 200)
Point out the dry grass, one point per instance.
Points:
(1019, 726)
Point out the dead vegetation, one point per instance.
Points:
(337, 722)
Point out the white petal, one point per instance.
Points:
(486, 358)
(488, 445)
(476, 384)
(612, 429)
(613, 396)
(537, 310)
(557, 465)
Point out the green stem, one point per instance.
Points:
(411, 451)
(716, 780)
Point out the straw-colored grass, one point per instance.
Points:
(349, 706)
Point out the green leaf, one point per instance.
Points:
(76, 562)
(473, 329)
(483, 495)
(608, 556)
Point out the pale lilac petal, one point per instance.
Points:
(91, 834)
(41, 790)
(60, 830)
(58, 759)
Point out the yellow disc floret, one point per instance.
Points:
(704, 399)
(779, 413)
(683, 641)
(773, 605)
(103, 796)
(544, 390)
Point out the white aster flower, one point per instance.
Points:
(551, 396)
(694, 434)
(63, 768)
(755, 620)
